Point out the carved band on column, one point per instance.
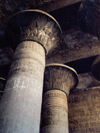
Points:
(58, 81)
(31, 33)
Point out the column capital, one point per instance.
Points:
(96, 68)
(34, 25)
(60, 77)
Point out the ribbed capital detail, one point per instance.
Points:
(34, 25)
(60, 77)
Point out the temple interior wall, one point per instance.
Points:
(84, 105)
(84, 111)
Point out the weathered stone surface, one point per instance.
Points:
(8, 8)
(89, 17)
(58, 81)
(21, 102)
(60, 77)
(84, 111)
(78, 45)
(33, 32)
(55, 112)
(76, 38)
(87, 81)
(34, 25)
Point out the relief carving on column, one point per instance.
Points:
(54, 108)
(34, 25)
(60, 77)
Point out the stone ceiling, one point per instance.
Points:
(9, 7)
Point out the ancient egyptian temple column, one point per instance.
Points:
(58, 81)
(31, 33)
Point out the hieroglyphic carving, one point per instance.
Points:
(54, 94)
(25, 66)
(32, 46)
(55, 108)
(26, 56)
(31, 51)
(84, 111)
(25, 80)
(23, 88)
(58, 81)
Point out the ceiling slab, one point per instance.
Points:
(78, 46)
(54, 5)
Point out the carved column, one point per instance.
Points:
(96, 68)
(58, 81)
(33, 32)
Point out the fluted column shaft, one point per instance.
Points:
(58, 81)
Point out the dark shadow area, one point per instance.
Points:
(4, 71)
(82, 65)
(67, 17)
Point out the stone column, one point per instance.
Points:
(58, 81)
(33, 32)
(96, 68)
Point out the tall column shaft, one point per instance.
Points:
(31, 33)
(55, 112)
(21, 102)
